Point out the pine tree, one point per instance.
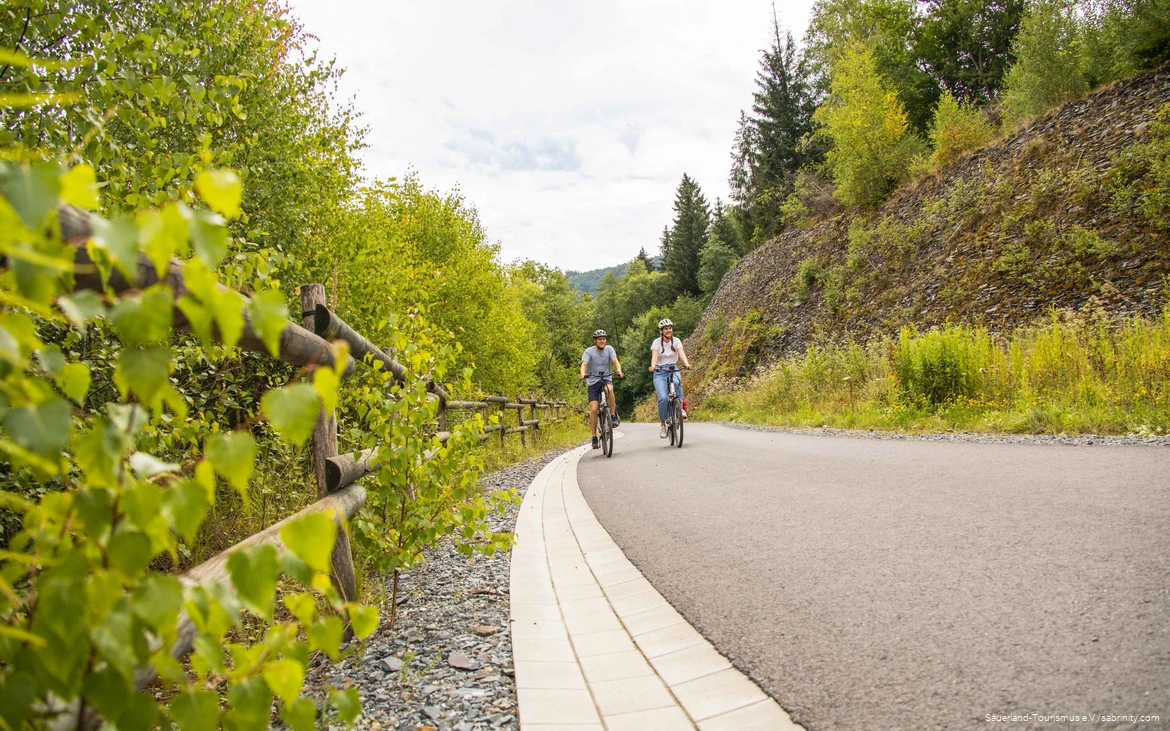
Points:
(664, 245)
(723, 224)
(645, 259)
(783, 106)
(768, 149)
(687, 236)
(744, 151)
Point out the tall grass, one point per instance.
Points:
(1070, 374)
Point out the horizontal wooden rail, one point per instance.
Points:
(345, 469)
(328, 325)
(467, 405)
(343, 503)
(298, 346)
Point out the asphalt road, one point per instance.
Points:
(882, 584)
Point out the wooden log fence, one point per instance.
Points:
(307, 347)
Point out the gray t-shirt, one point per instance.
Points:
(597, 360)
(669, 354)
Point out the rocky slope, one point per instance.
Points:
(1038, 220)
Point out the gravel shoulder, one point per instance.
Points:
(447, 662)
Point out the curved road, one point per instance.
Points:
(905, 584)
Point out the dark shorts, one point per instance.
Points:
(595, 388)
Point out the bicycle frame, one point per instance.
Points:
(674, 419)
(604, 425)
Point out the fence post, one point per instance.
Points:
(442, 415)
(324, 447)
(520, 421)
(503, 421)
(535, 427)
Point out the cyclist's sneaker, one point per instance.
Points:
(662, 432)
(616, 421)
(596, 444)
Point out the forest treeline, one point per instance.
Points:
(876, 93)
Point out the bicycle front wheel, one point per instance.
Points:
(607, 437)
(677, 417)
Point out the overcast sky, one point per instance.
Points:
(567, 123)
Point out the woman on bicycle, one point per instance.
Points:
(595, 360)
(666, 350)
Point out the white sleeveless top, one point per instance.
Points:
(669, 355)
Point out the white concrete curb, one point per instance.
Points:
(595, 646)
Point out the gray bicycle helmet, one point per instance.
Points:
(599, 334)
(665, 322)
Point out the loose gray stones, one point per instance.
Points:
(392, 664)
(447, 662)
(461, 662)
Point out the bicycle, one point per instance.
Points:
(604, 419)
(674, 409)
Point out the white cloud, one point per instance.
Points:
(566, 123)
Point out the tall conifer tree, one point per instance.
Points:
(687, 236)
(768, 149)
(645, 259)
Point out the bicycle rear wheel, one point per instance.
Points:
(677, 417)
(607, 434)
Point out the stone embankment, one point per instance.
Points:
(996, 239)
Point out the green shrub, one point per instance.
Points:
(1140, 181)
(1047, 71)
(941, 365)
(834, 280)
(1074, 373)
(1015, 261)
(1087, 244)
(861, 242)
(1122, 37)
(872, 144)
(807, 275)
(957, 129)
(716, 328)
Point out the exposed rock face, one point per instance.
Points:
(996, 239)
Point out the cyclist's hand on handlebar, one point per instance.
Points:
(621, 375)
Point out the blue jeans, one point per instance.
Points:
(660, 381)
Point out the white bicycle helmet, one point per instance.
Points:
(599, 334)
(665, 323)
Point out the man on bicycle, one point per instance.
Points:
(666, 350)
(599, 359)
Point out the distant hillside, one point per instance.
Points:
(588, 281)
(1061, 213)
